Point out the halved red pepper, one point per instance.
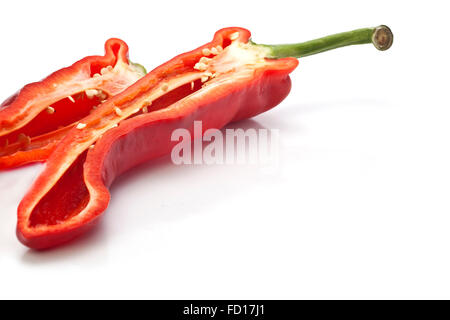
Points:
(225, 80)
(38, 116)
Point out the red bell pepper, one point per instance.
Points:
(228, 79)
(33, 120)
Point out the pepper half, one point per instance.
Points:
(226, 80)
(38, 116)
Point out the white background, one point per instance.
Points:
(357, 208)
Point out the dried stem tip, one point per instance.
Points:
(382, 37)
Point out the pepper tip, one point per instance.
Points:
(382, 37)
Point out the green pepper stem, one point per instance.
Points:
(380, 36)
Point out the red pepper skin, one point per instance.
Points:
(84, 186)
(29, 103)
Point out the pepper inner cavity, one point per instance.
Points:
(68, 197)
(60, 114)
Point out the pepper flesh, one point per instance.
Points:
(38, 116)
(226, 80)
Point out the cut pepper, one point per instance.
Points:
(38, 116)
(226, 80)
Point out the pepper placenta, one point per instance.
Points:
(38, 116)
(228, 79)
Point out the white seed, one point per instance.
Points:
(50, 110)
(206, 52)
(214, 51)
(97, 75)
(90, 93)
(206, 76)
(219, 48)
(145, 109)
(55, 85)
(118, 111)
(204, 60)
(104, 71)
(91, 146)
(234, 36)
(81, 126)
(101, 95)
(103, 101)
(136, 110)
(200, 66)
(71, 99)
(109, 68)
(114, 125)
(192, 85)
(165, 87)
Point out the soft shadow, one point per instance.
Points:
(286, 117)
(244, 124)
(305, 108)
(78, 247)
